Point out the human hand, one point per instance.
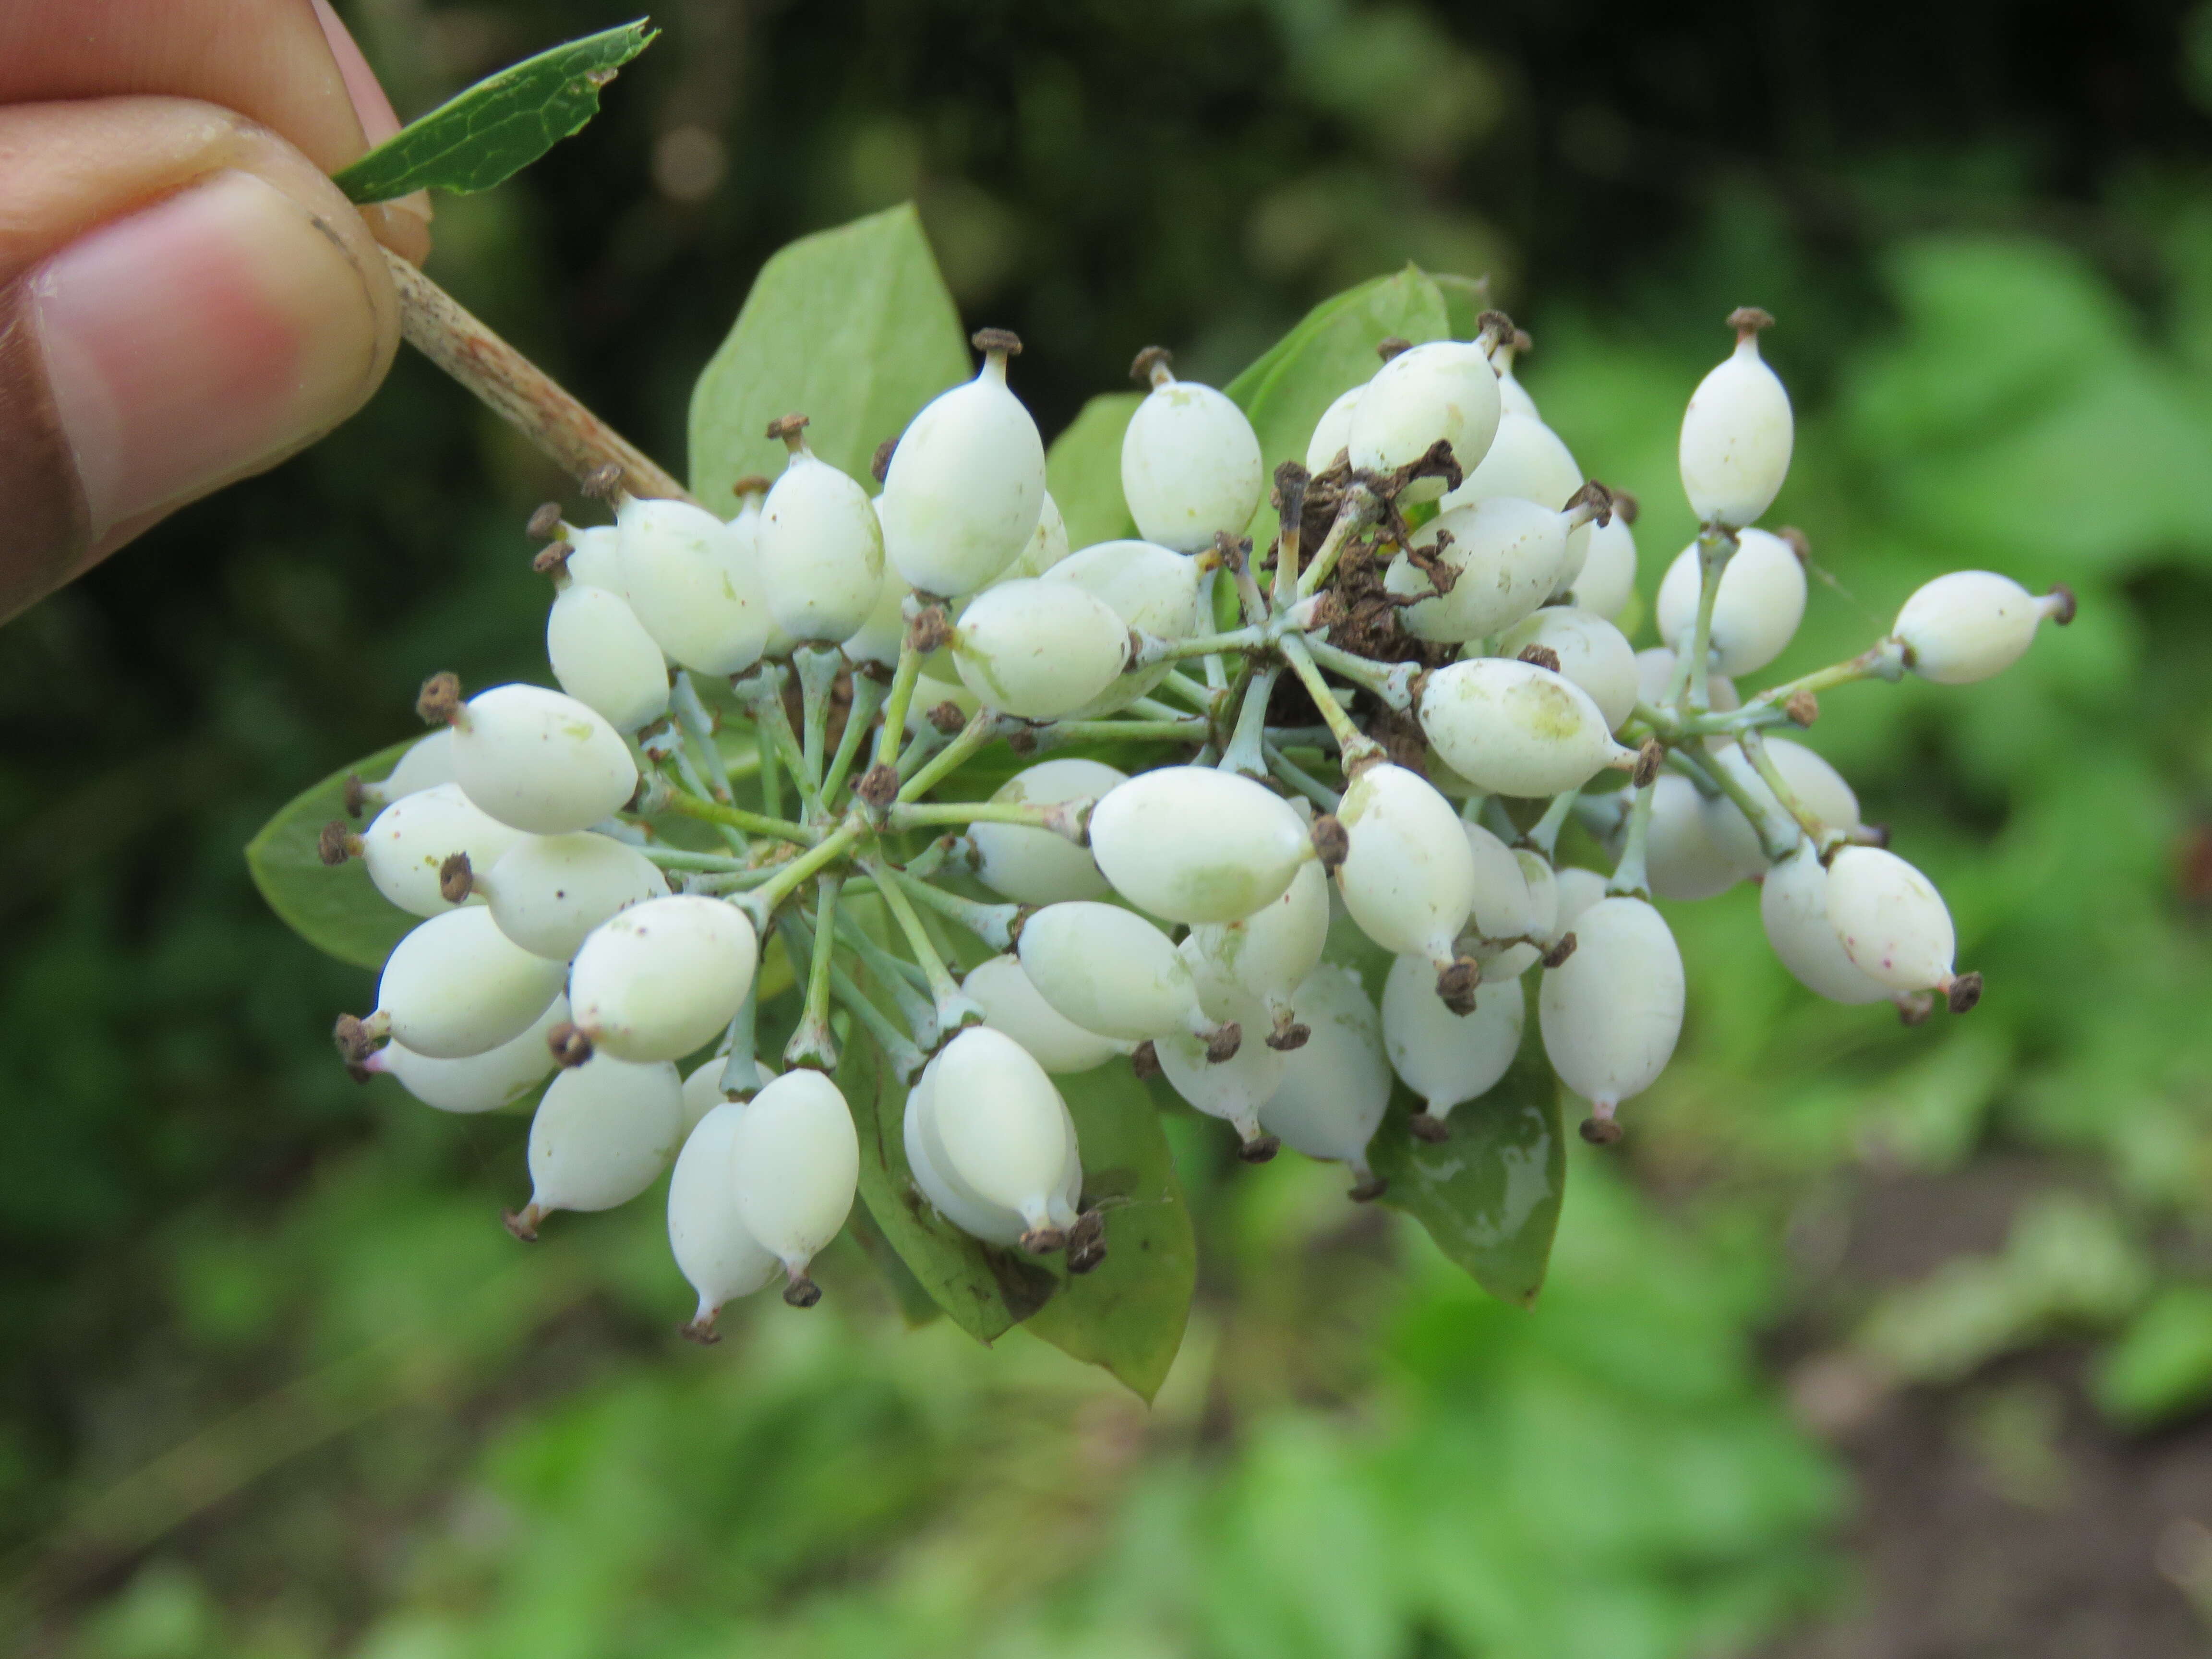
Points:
(186, 299)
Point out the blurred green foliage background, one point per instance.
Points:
(1868, 1341)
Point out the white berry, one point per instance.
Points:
(1736, 435)
(1194, 844)
(1110, 972)
(966, 486)
(1336, 1085)
(1409, 878)
(795, 1161)
(1515, 729)
(1040, 866)
(1443, 390)
(693, 584)
(1592, 652)
(603, 657)
(1611, 1012)
(662, 978)
(540, 760)
(1973, 624)
(1756, 612)
(476, 1082)
(548, 892)
(456, 986)
(1039, 648)
(602, 1134)
(1894, 924)
(1506, 554)
(1793, 907)
(1447, 1058)
(406, 845)
(713, 1247)
(821, 551)
(1190, 466)
(1013, 1004)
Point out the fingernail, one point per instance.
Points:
(198, 339)
(379, 120)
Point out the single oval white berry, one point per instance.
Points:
(953, 1198)
(604, 658)
(1892, 922)
(966, 486)
(1611, 1012)
(703, 1090)
(1409, 877)
(1013, 1004)
(1039, 648)
(1233, 1090)
(1000, 1122)
(1047, 546)
(1607, 581)
(1190, 466)
(821, 551)
(424, 766)
(1506, 555)
(1971, 624)
(693, 584)
(1447, 1058)
(1793, 907)
(595, 558)
(1443, 390)
(745, 531)
(1515, 729)
(540, 760)
(1336, 1085)
(406, 845)
(713, 1248)
(1592, 652)
(548, 892)
(1332, 434)
(456, 986)
(660, 979)
(1529, 461)
(602, 1134)
(1110, 972)
(795, 1163)
(1684, 857)
(1194, 844)
(1267, 955)
(477, 1082)
(1736, 433)
(1151, 590)
(1040, 866)
(1756, 612)
(1502, 907)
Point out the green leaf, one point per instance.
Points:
(1466, 298)
(1128, 1313)
(1328, 353)
(915, 1305)
(500, 125)
(986, 1291)
(339, 910)
(1489, 1195)
(852, 326)
(1082, 470)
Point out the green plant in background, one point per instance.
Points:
(368, 1270)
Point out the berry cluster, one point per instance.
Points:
(1383, 721)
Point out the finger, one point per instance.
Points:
(184, 298)
(276, 61)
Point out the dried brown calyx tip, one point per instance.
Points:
(351, 1035)
(545, 521)
(1913, 1007)
(1541, 655)
(930, 630)
(1332, 841)
(1963, 993)
(356, 796)
(1043, 1241)
(1392, 345)
(1648, 759)
(699, 1330)
(801, 1291)
(878, 785)
(1145, 1061)
(1492, 327)
(1022, 741)
(1235, 551)
(1748, 321)
(1456, 985)
(1523, 341)
(2063, 612)
(996, 342)
(1597, 497)
(438, 702)
(603, 482)
(523, 1223)
(1291, 480)
(788, 429)
(1802, 707)
(457, 878)
(947, 718)
(1437, 461)
(1799, 542)
(1290, 1034)
(358, 1071)
(570, 1047)
(1371, 1187)
(1559, 953)
(879, 465)
(1259, 1148)
(1228, 1037)
(1601, 1131)
(336, 843)
(754, 484)
(1624, 507)
(1425, 1125)
(1086, 1241)
(1151, 364)
(551, 560)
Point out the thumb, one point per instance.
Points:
(185, 300)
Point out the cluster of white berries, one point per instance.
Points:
(1383, 722)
